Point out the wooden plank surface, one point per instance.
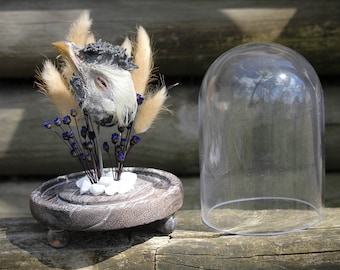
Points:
(27, 148)
(193, 245)
(188, 35)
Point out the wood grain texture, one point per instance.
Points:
(192, 246)
(27, 148)
(23, 243)
(188, 35)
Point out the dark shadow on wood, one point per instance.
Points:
(84, 249)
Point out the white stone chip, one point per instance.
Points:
(105, 180)
(112, 189)
(80, 181)
(83, 184)
(85, 187)
(97, 189)
(127, 182)
(129, 176)
(108, 185)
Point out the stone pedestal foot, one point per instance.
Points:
(167, 225)
(58, 238)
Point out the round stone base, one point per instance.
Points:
(58, 204)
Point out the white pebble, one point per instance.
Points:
(83, 184)
(112, 189)
(107, 184)
(129, 176)
(85, 187)
(109, 174)
(105, 181)
(80, 181)
(127, 182)
(97, 189)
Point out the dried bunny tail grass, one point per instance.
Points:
(80, 34)
(127, 45)
(149, 110)
(53, 86)
(143, 58)
(67, 71)
(90, 38)
(80, 30)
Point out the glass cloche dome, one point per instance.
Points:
(261, 118)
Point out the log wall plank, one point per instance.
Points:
(26, 148)
(188, 35)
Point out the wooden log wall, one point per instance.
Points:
(26, 147)
(188, 37)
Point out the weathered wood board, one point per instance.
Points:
(26, 147)
(23, 243)
(192, 246)
(188, 35)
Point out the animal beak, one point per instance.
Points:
(68, 51)
(62, 47)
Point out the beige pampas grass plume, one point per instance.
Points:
(143, 58)
(53, 86)
(153, 102)
(79, 33)
(54, 83)
(149, 110)
(127, 45)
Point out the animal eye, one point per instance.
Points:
(101, 83)
(80, 57)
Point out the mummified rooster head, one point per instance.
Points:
(102, 81)
(99, 81)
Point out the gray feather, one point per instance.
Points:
(101, 52)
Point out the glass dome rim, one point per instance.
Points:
(320, 211)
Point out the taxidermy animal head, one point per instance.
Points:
(96, 82)
(102, 79)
